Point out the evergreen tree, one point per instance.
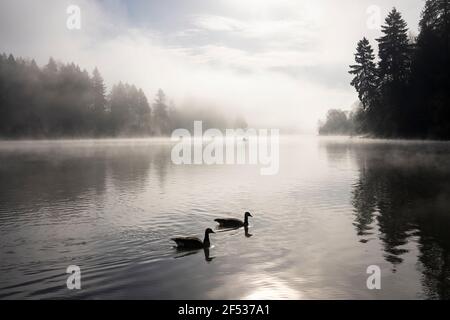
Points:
(366, 84)
(432, 69)
(98, 102)
(394, 50)
(394, 71)
(365, 72)
(144, 113)
(130, 110)
(3, 104)
(118, 107)
(51, 66)
(99, 92)
(161, 114)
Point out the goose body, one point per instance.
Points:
(234, 223)
(193, 242)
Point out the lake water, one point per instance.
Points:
(337, 206)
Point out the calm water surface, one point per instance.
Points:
(336, 207)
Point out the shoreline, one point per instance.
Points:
(377, 138)
(155, 138)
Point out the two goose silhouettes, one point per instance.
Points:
(196, 243)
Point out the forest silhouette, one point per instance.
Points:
(405, 93)
(62, 100)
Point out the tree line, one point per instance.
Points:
(62, 100)
(338, 122)
(405, 92)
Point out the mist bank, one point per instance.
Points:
(63, 101)
(405, 92)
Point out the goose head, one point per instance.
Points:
(247, 214)
(206, 242)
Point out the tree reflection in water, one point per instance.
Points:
(402, 196)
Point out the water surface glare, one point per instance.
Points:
(337, 206)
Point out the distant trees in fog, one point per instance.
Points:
(129, 111)
(338, 122)
(62, 100)
(406, 92)
(161, 113)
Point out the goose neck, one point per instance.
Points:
(206, 240)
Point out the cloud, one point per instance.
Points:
(217, 23)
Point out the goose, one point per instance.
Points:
(234, 223)
(193, 242)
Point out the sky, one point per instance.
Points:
(278, 63)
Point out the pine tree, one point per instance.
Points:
(118, 107)
(99, 91)
(436, 16)
(435, 23)
(365, 71)
(432, 68)
(161, 114)
(98, 103)
(51, 67)
(394, 69)
(394, 50)
(144, 113)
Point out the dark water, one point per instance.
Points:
(336, 207)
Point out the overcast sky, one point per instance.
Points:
(277, 62)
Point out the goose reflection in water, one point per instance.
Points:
(224, 229)
(182, 253)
